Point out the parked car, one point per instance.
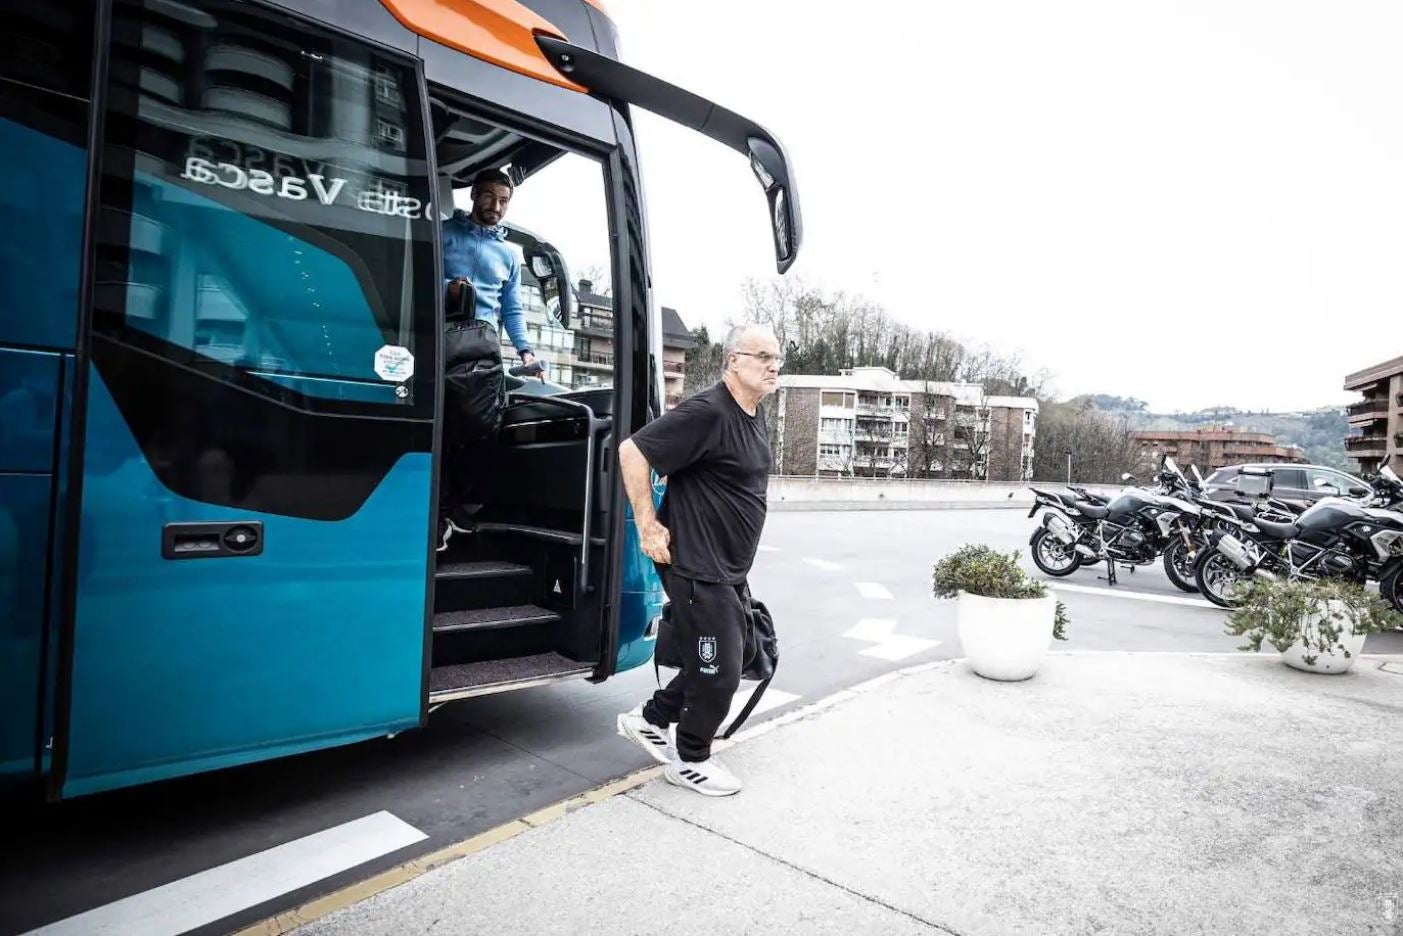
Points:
(1304, 483)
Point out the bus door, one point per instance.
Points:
(253, 543)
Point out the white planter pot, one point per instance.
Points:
(1334, 662)
(1005, 638)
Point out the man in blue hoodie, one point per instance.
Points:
(477, 256)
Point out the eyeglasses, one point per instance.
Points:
(765, 357)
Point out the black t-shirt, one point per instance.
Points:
(716, 458)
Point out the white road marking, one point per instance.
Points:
(769, 549)
(203, 898)
(773, 698)
(873, 590)
(1138, 596)
(889, 645)
(872, 629)
(824, 564)
(899, 647)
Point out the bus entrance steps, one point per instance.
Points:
(490, 618)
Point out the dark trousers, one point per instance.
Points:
(710, 623)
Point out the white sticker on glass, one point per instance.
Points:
(394, 363)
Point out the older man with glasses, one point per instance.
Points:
(714, 450)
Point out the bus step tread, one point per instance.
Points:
(478, 570)
(459, 677)
(534, 532)
(488, 618)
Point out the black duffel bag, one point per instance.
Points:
(761, 651)
(474, 383)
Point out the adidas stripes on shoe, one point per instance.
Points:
(708, 777)
(651, 738)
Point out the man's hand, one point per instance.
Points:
(655, 540)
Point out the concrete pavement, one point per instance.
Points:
(1113, 792)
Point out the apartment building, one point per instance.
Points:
(553, 345)
(1376, 423)
(1216, 446)
(677, 341)
(592, 333)
(867, 422)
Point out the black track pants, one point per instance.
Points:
(710, 622)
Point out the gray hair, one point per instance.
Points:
(733, 337)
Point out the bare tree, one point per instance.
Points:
(926, 442)
(601, 284)
(703, 362)
(1102, 446)
(972, 434)
(872, 448)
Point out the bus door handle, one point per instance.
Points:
(212, 540)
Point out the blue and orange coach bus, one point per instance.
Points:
(221, 396)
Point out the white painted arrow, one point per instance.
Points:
(887, 643)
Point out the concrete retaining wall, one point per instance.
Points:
(789, 493)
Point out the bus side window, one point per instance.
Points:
(268, 206)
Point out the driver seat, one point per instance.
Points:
(1093, 511)
(1280, 531)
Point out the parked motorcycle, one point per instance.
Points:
(1333, 538)
(1135, 528)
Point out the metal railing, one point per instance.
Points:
(1366, 443)
(1368, 408)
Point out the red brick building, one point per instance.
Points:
(1217, 446)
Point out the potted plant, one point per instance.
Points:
(1005, 618)
(1317, 626)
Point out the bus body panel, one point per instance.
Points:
(24, 534)
(43, 156)
(557, 109)
(643, 596)
(187, 665)
(46, 176)
(234, 377)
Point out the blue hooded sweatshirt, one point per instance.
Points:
(482, 255)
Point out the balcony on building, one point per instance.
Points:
(596, 323)
(594, 360)
(876, 404)
(678, 368)
(1368, 445)
(1372, 410)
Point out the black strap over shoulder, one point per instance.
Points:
(762, 654)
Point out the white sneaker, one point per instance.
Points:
(708, 777)
(649, 737)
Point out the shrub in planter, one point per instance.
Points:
(1005, 618)
(1316, 625)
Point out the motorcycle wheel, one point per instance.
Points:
(1053, 558)
(1215, 576)
(1392, 588)
(1179, 567)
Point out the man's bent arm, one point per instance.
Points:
(513, 318)
(637, 484)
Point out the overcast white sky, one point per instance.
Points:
(1124, 192)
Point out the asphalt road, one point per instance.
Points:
(851, 596)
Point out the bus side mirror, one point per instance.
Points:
(611, 78)
(548, 266)
(772, 169)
